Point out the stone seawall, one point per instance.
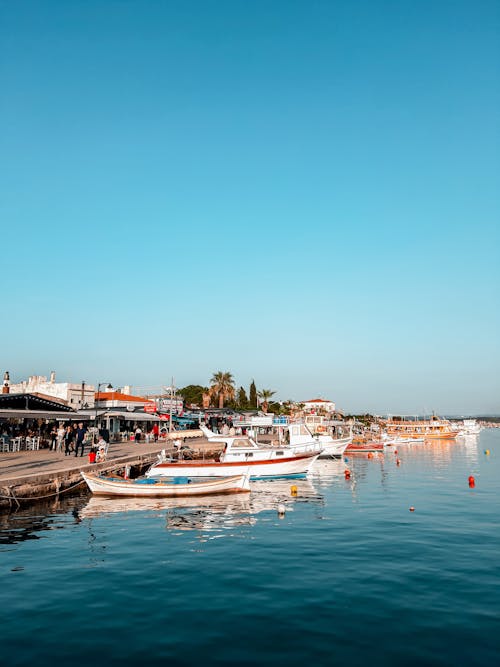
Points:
(29, 489)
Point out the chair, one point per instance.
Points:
(4, 445)
(28, 443)
(15, 444)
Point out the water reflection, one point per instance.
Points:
(31, 523)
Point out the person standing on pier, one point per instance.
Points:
(68, 440)
(61, 433)
(80, 437)
(53, 439)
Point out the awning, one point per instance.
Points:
(44, 414)
(131, 416)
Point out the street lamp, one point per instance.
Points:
(171, 390)
(99, 385)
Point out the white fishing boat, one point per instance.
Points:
(333, 439)
(403, 441)
(239, 454)
(174, 488)
(469, 427)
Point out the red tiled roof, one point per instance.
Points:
(318, 400)
(118, 396)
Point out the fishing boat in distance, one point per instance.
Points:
(364, 446)
(333, 436)
(469, 427)
(174, 488)
(239, 454)
(415, 428)
(403, 441)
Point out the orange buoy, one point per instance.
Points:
(398, 462)
(472, 481)
(347, 473)
(293, 490)
(370, 455)
(412, 509)
(395, 451)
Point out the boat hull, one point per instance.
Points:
(446, 435)
(332, 447)
(298, 465)
(106, 486)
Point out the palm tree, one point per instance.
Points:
(222, 386)
(265, 395)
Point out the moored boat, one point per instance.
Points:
(153, 488)
(469, 427)
(414, 440)
(333, 437)
(411, 428)
(239, 454)
(361, 446)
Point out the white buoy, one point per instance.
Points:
(281, 510)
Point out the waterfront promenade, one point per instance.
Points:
(31, 476)
(22, 466)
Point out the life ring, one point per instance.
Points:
(320, 429)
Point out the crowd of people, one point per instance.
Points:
(223, 425)
(72, 438)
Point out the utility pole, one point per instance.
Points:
(171, 405)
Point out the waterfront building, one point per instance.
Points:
(120, 398)
(315, 404)
(77, 395)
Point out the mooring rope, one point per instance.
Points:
(12, 495)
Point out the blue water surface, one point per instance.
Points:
(348, 576)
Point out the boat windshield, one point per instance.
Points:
(299, 429)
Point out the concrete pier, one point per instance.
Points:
(27, 477)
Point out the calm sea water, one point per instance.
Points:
(348, 576)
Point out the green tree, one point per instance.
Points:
(193, 393)
(265, 395)
(242, 400)
(222, 387)
(253, 395)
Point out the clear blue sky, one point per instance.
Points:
(306, 193)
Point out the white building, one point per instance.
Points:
(315, 404)
(77, 395)
(121, 398)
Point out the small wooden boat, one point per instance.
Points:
(155, 488)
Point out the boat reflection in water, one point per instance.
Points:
(326, 472)
(211, 512)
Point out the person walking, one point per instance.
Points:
(156, 431)
(61, 433)
(68, 440)
(80, 438)
(53, 438)
(138, 434)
